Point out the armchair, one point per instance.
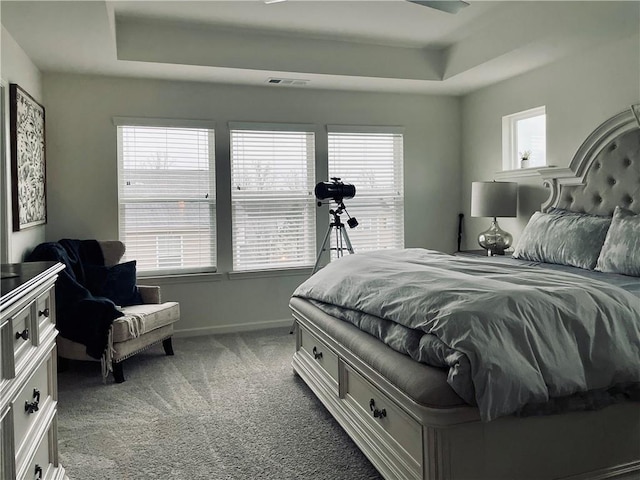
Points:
(141, 327)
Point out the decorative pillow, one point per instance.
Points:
(562, 237)
(621, 250)
(117, 283)
(562, 211)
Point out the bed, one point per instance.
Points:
(414, 421)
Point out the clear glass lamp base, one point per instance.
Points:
(495, 240)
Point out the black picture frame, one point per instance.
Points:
(28, 162)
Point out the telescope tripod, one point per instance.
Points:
(342, 238)
(342, 241)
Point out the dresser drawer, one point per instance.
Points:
(21, 332)
(7, 453)
(319, 352)
(40, 465)
(44, 307)
(390, 422)
(7, 370)
(28, 404)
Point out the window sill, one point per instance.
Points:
(180, 278)
(281, 272)
(527, 172)
(218, 276)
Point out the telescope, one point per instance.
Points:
(335, 190)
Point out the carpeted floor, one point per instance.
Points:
(224, 407)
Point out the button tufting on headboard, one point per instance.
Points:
(611, 180)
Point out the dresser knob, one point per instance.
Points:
(316, 353)
(38, 472)
(377, 413)
(24, 334)
(44, 313)
(30, 407)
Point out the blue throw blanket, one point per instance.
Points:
(80, 316)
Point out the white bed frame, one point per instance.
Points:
(406, 440)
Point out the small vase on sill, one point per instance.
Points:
(524, 163)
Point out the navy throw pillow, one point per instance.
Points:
(117, 283)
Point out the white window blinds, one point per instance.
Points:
(272, 201)
(372, 162)
(167, 198)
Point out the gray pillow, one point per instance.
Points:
(621, 250)
(565, 238)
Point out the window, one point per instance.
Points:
(372, 161)
(167, 197)
(524, 139)
(272, 201)
(169, 249)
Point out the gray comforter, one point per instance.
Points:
(510, 335)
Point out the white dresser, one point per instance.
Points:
(28, 382)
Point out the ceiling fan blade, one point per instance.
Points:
(449, 6)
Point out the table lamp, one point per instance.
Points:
(494, 199)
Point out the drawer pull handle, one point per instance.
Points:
(24, 334)
(44, 313)
(31, 407)
(38, 472)
(316, 353)
(377, 413)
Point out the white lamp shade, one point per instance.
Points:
(494, 199)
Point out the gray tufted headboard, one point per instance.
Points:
(606, 171)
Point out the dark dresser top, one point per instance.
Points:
(19, 278)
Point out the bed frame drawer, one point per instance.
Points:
(389, 424)
(321, 354)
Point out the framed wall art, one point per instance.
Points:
(28, 168)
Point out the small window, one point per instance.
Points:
(524, 139)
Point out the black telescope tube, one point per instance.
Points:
(336, 190)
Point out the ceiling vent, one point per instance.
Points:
(296, 82)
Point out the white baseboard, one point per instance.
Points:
(233, 328)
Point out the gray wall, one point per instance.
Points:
(579, 92)
(16, 67)
(82, 193)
